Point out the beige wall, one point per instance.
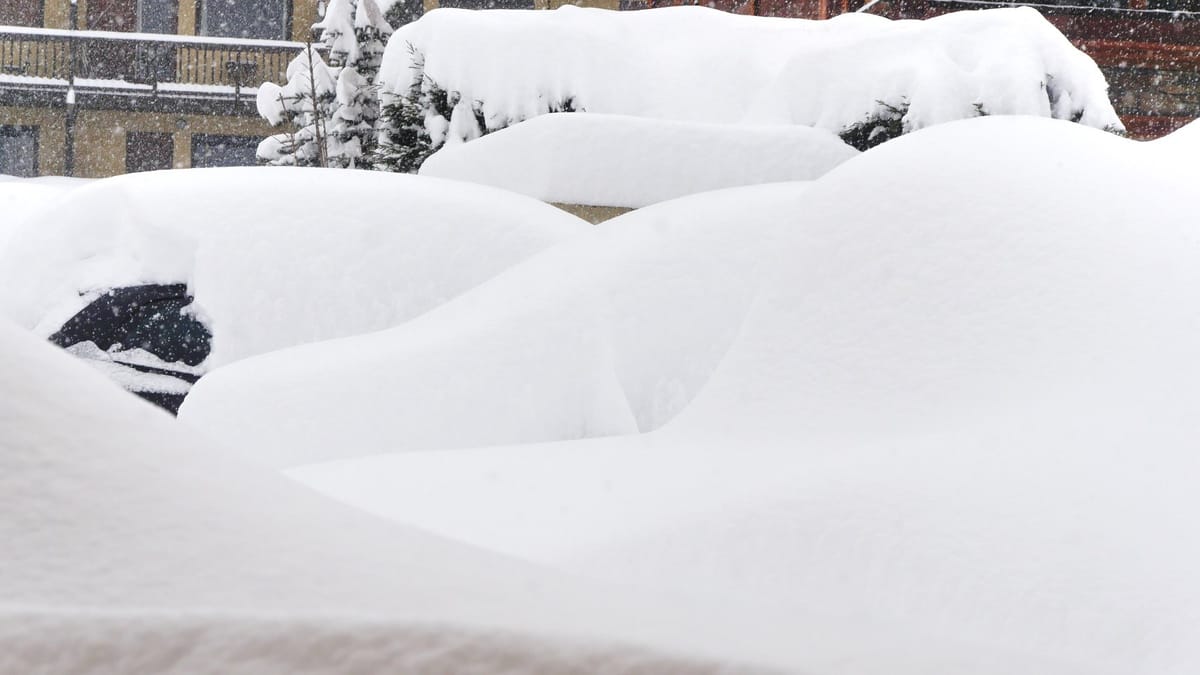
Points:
(56, 13)
(304, 15)
(100, 136)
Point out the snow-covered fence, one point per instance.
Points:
(455, 75)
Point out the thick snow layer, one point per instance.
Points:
(274, 257)
(1185, 137)
(698, 64)
(133, 545)
(616, 160)
(609, 333)
(964, 407)
(22, 197)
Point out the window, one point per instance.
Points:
(158, 16)
(114, 15)
(210, 150)
(148, 151)
(20, 13)
(264, 19)
(18, 151)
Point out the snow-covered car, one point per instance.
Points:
(629, 162)
(157, 278)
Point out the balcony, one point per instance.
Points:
(138, 71)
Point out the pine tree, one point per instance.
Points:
(405, 138)
(308, 102)
(355, 33)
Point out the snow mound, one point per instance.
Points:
(855, 75)
(615, 160)
(964, 407)
(1186, 137)
(22, 197)
(132, 545)
(610, 333)
(273, 257)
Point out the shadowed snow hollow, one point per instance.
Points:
(274, 257)
(963, 404)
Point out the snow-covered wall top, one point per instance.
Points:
(690, 63)
(619, 160)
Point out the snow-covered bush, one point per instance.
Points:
(454, 75)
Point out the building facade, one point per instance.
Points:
(94, 88)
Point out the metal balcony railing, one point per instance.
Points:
(38, 57)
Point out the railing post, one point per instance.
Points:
(69, 150)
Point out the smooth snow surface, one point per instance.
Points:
(963, 407)
(610, 333)
(274, 257)
(131, 545)
(616, 160)
(22, 197)
(699, 64)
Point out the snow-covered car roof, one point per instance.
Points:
(274, 257)
(618, 160)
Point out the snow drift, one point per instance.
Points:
(274, 257)
(966, 412)
(22, 197)
(609, 333)
(132, 545)
(615, 160)
(860, 76)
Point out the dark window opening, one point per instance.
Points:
(158, 16)
(261, 19)
(21, 13)
(148, 151)
(112, 15)
(19, 151)
(210, 150)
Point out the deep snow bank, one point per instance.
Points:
(610, 333)
(132, 545)
(273, 257)
(21, 197)
(965, 411)
(617, 160)
(471, 72)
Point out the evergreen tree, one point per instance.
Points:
(308, 102)
(355, 33)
